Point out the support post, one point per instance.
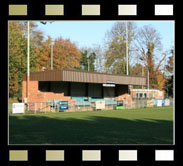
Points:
(126, 48)
(28, 59)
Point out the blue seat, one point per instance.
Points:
(82, 103)
(110, 102)
(79, 98)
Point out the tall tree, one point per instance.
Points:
(92, 58)
(87, 62)
(44, 59)
(36, 40)
(18, 53)
(137, 70)
(116, 47)
(65, 54)
(84, 60)
(148, 44)
(100, 59)
(170, 65)
(17, 56)
(170, 75)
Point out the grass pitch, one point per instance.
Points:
(133, 126)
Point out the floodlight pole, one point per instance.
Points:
(148, 78)
(142, 71)
(142, 74)
(28, 59)
(148, 81)
(126, 48)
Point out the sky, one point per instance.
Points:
(90, 33)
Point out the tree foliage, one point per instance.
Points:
(116, 47)
(100, 58)
(66, 54)
(148, 44)
(137, 70)
(87, 62)
(169, 67)
(169, 79)
(44, 57)
(18, 53)
(144, 50)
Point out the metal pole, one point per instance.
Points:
(28, 49)
(52, 56)
(28, 58)
(142, 74)
(142, 71)
(126, 48)
(148, 81)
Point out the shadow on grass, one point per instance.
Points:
(95, 130)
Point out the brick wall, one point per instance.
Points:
(157, 94)
(37, 96)
(122, 93)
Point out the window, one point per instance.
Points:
(141, 95)
(137, 95)
(145, 95)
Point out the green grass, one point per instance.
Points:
(134, 126)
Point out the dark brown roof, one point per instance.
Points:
(84, 76)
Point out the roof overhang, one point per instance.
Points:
(85, 77)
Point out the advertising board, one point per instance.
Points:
(18, 108)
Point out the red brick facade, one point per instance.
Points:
(122, 93)
(37, 96)
(152, 93)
